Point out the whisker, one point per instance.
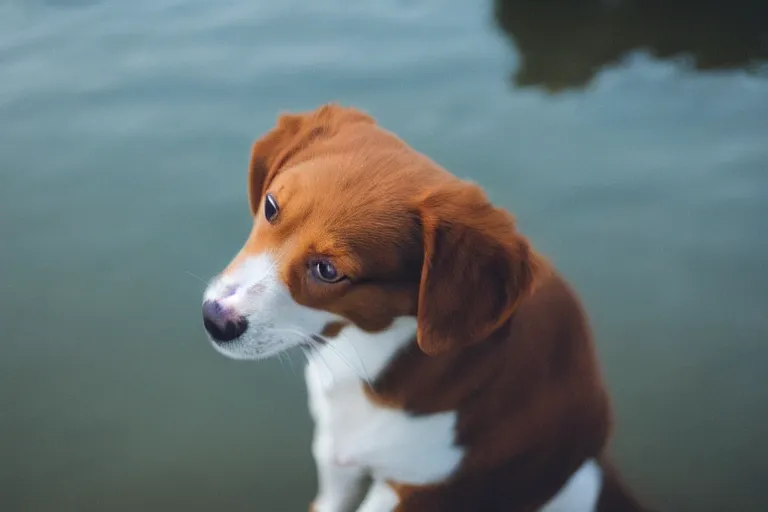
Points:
(308, 340)
(315, 344)
(342, 357)
(325, 361)
(290, 363)
(319, 354)
(305, 354)
(196, 277)
(359, 357)
(280, 358)
(365, 378)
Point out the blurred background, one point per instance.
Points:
(629, 138)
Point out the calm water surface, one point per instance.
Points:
(124, 135)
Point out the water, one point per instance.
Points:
(124, 136)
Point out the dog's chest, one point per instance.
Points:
(353, 430)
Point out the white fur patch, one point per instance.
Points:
(381, 498)
(275, 321)
(353, 432)
(580, 493)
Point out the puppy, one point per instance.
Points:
(448, 360)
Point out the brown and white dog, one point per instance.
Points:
(448, 361)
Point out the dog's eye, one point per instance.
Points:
(325, 271)
(270, 208)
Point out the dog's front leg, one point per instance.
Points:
(339, 485)
(380, 498)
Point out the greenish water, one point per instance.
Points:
(124, 135)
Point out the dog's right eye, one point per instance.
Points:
(270, 208)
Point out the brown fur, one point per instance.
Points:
(532, 407)
(501, 339)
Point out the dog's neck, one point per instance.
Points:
(354, 355)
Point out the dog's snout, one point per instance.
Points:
(222, 323)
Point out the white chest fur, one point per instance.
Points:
(351, 431)
(354, 436)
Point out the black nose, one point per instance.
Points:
(222, 323)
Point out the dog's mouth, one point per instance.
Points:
(317, 339)
(329, 331)
(228, 335)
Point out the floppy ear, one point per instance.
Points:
(476, 268)
(292, 134)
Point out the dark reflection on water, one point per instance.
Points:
(564, 43)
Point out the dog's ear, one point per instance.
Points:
(476, 268)
(292, 135)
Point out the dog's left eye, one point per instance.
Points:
(270, 208)
(325, 271)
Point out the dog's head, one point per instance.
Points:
(353, 227)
